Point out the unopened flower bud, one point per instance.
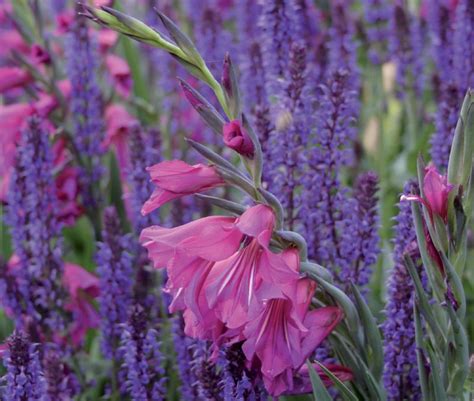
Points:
(237, 138)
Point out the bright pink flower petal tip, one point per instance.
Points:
(176, 178)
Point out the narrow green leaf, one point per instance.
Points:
(424, 304)
(439, 393)
(422, 373)
(372, 334)
(320, 392)
(346, 394)
(456, 285)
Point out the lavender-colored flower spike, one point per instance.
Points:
(447, 92)
(407, 50)
(287, 147)
(330, 150)
(144, 152)
(400, 374)
(252, 71)
(86, 107)
(211, 36)
(182, 346)
(275, 23)
(449, 101)
(24, 379)
(32, 204)
(463, 57)
(114, 266)
(145, 376)
(342, 46)
(377, 17)
(366, 239)
(440, 23)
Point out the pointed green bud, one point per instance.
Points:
(231, 88)
(182, 40)
(207, 112)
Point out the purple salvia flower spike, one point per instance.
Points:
(140, 347)
(31, 215)
(377, 17)
(114, 267)
(86, 107)
(366, 238)
(400, 375)
(24, 378)
(144, 152)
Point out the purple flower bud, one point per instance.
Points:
(237, 138)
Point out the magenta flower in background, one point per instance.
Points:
(436, 191)
(237, 138)
(118, 123)
(175, 178)
(120, 74)
(13, 77)
(83, 288)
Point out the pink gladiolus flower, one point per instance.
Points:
(120, 73)
(282, 333)
(436, 191)
(237, 138)
(12, 40)
(107, 39)
(232, 283)
(118, 122)
(83, 287)
(302, 381)
(189, 252)
(13, 77)
(175, 178)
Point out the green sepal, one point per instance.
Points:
(207, 111)
(182, 40)
(257, 161)
(373, 340)
(212, 156)
(298, 240)
(237, 181)
(231, 88)
(315, 271)
(276, 205)
(225, 204)
(320, 392)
